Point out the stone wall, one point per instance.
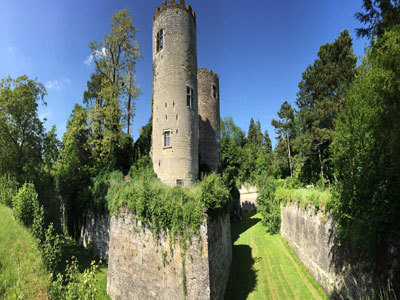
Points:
(248, 197)
(313, 239)
(142, 266)
(95, 234)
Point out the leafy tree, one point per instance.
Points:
(51, 148)
(115, 58)
(8, 189)
(21, 130)
(379, 16)
(284, 127)
(366, 151)
(73, 170)
(92, 96)
(321, 95)
(143, 143)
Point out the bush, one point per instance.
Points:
(268, 206)
(142, 168)
(51, 248)
(8, 189)
(74, 285)
(26, 204)
(214, 195)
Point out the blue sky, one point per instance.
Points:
(258, 48)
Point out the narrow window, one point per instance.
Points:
(214, 91)
(189, 97)
(167, 138)
(179, 182)
(160, 40)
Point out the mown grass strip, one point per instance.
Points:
(264, 267)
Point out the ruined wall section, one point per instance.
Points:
(142, 266)
(174, 70)
(313, 238)
(209, 119)
(95, 234)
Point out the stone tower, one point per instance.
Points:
(209, 120)
(175, 103)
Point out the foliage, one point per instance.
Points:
(379, 16)
(8, 189)
(23, 274)
(75, 285)
(25, 204)
(284, 127)
(51, 249)
(73, 170)
(142, 168)
(51, 148)
(322, 93)
(366, 151)
(213, 194)
(143, 143)
(268, 206)
(21, 130)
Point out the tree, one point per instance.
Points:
(252, 132)
(322, 94)
(21, 130)
(283, 128)
(267, 142)
(379, 16)
(51, 148)
(73, 170)
(366, 149)
(115, 58)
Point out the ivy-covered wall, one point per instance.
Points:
(142, 265)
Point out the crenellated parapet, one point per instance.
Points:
(165, 6)
(205, 70)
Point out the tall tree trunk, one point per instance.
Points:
(321, 163)
(289, 154)
(129, 104)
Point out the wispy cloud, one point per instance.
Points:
(68, 81)
(10, 49)
(52, 84)
(43, 116)
(98, 54)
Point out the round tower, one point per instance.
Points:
(175, 103)
(209, 120)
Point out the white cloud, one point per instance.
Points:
(98, 54)
(68, 81)
(52, 84)
(10, 49)
(43, 116)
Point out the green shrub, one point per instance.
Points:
(214, 195)
(51, 248)
(8, 189)
(25, 204)
(269, 206)
(142, 168)
(75, 285)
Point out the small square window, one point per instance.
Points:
(160, 40)
(167, 138)
(189, 97)
(179, 182)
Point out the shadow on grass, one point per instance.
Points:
(70, 248)
(242, 277)
(247, 222)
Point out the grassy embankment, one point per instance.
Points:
(264, 267)
(22, 272)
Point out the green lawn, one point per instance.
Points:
(22, 272)
(264, 267)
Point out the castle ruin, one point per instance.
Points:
(186, 121)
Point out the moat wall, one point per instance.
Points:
(144, 266)
(95, 234)
(313, 238)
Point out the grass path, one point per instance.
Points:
(264, 267)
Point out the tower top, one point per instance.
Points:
(165, 6)
(205, 70)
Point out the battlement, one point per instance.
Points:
(165, 6)
(205, 70)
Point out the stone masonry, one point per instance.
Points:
(178, 100)
(144, 266)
